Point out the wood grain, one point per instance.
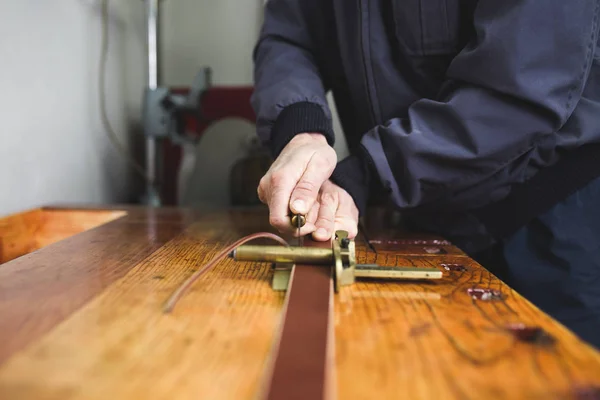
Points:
(108, 337)
(121, 345)
(31, 230)
(432, 340)
(40, 289)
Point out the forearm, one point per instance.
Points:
(289, 96)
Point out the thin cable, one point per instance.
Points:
(190, 281)
(110, 132)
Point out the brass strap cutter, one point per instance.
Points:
(341, 255)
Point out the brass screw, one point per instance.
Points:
(298, 221)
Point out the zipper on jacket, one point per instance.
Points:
(364, 37)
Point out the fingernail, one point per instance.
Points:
(321, 232)
(299, 206)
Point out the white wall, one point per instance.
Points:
(52, 143)
(219, 34)
(53, 146)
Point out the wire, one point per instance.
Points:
(194, 277)
(110, 132)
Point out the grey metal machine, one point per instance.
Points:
(163, 109)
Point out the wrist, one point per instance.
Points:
(300, 119)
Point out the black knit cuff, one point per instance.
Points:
(352, 174)
(302, 117)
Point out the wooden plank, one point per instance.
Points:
(31, 230)
(17, 234)
(122, 346)
(58, 225)
(135, 212)
(39, 290)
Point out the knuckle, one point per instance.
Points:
(260, 195)
(276, 220)
(325, 220)
(263, 182)
(276, 179)
(324, 161)
(328, 199)
(331, 155)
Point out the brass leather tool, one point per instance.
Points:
(342, 255)
(298, 221)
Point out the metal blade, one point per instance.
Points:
(300, 238)
(298, 221)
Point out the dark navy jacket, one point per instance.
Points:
(445, 103)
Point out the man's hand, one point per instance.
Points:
(334, 210)
(294, 180)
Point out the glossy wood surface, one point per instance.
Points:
(40, 289)
(28, 231)
(433, 340)
(121, 345)
(83, 319)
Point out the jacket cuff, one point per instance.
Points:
(302, 117)
(352, 174)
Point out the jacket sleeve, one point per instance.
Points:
(506, 95)
(289, 93)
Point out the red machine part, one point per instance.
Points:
(216, 103)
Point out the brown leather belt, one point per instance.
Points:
(303, 355)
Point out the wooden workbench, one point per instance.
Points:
(82, 318)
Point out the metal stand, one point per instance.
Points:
(152, 196)
(163, 111)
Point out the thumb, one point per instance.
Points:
(346, 218)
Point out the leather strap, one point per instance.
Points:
(303, 355)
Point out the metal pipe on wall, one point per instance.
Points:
(152, 13)
(152, 41)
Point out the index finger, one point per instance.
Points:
(306, 191)
(282, 185)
